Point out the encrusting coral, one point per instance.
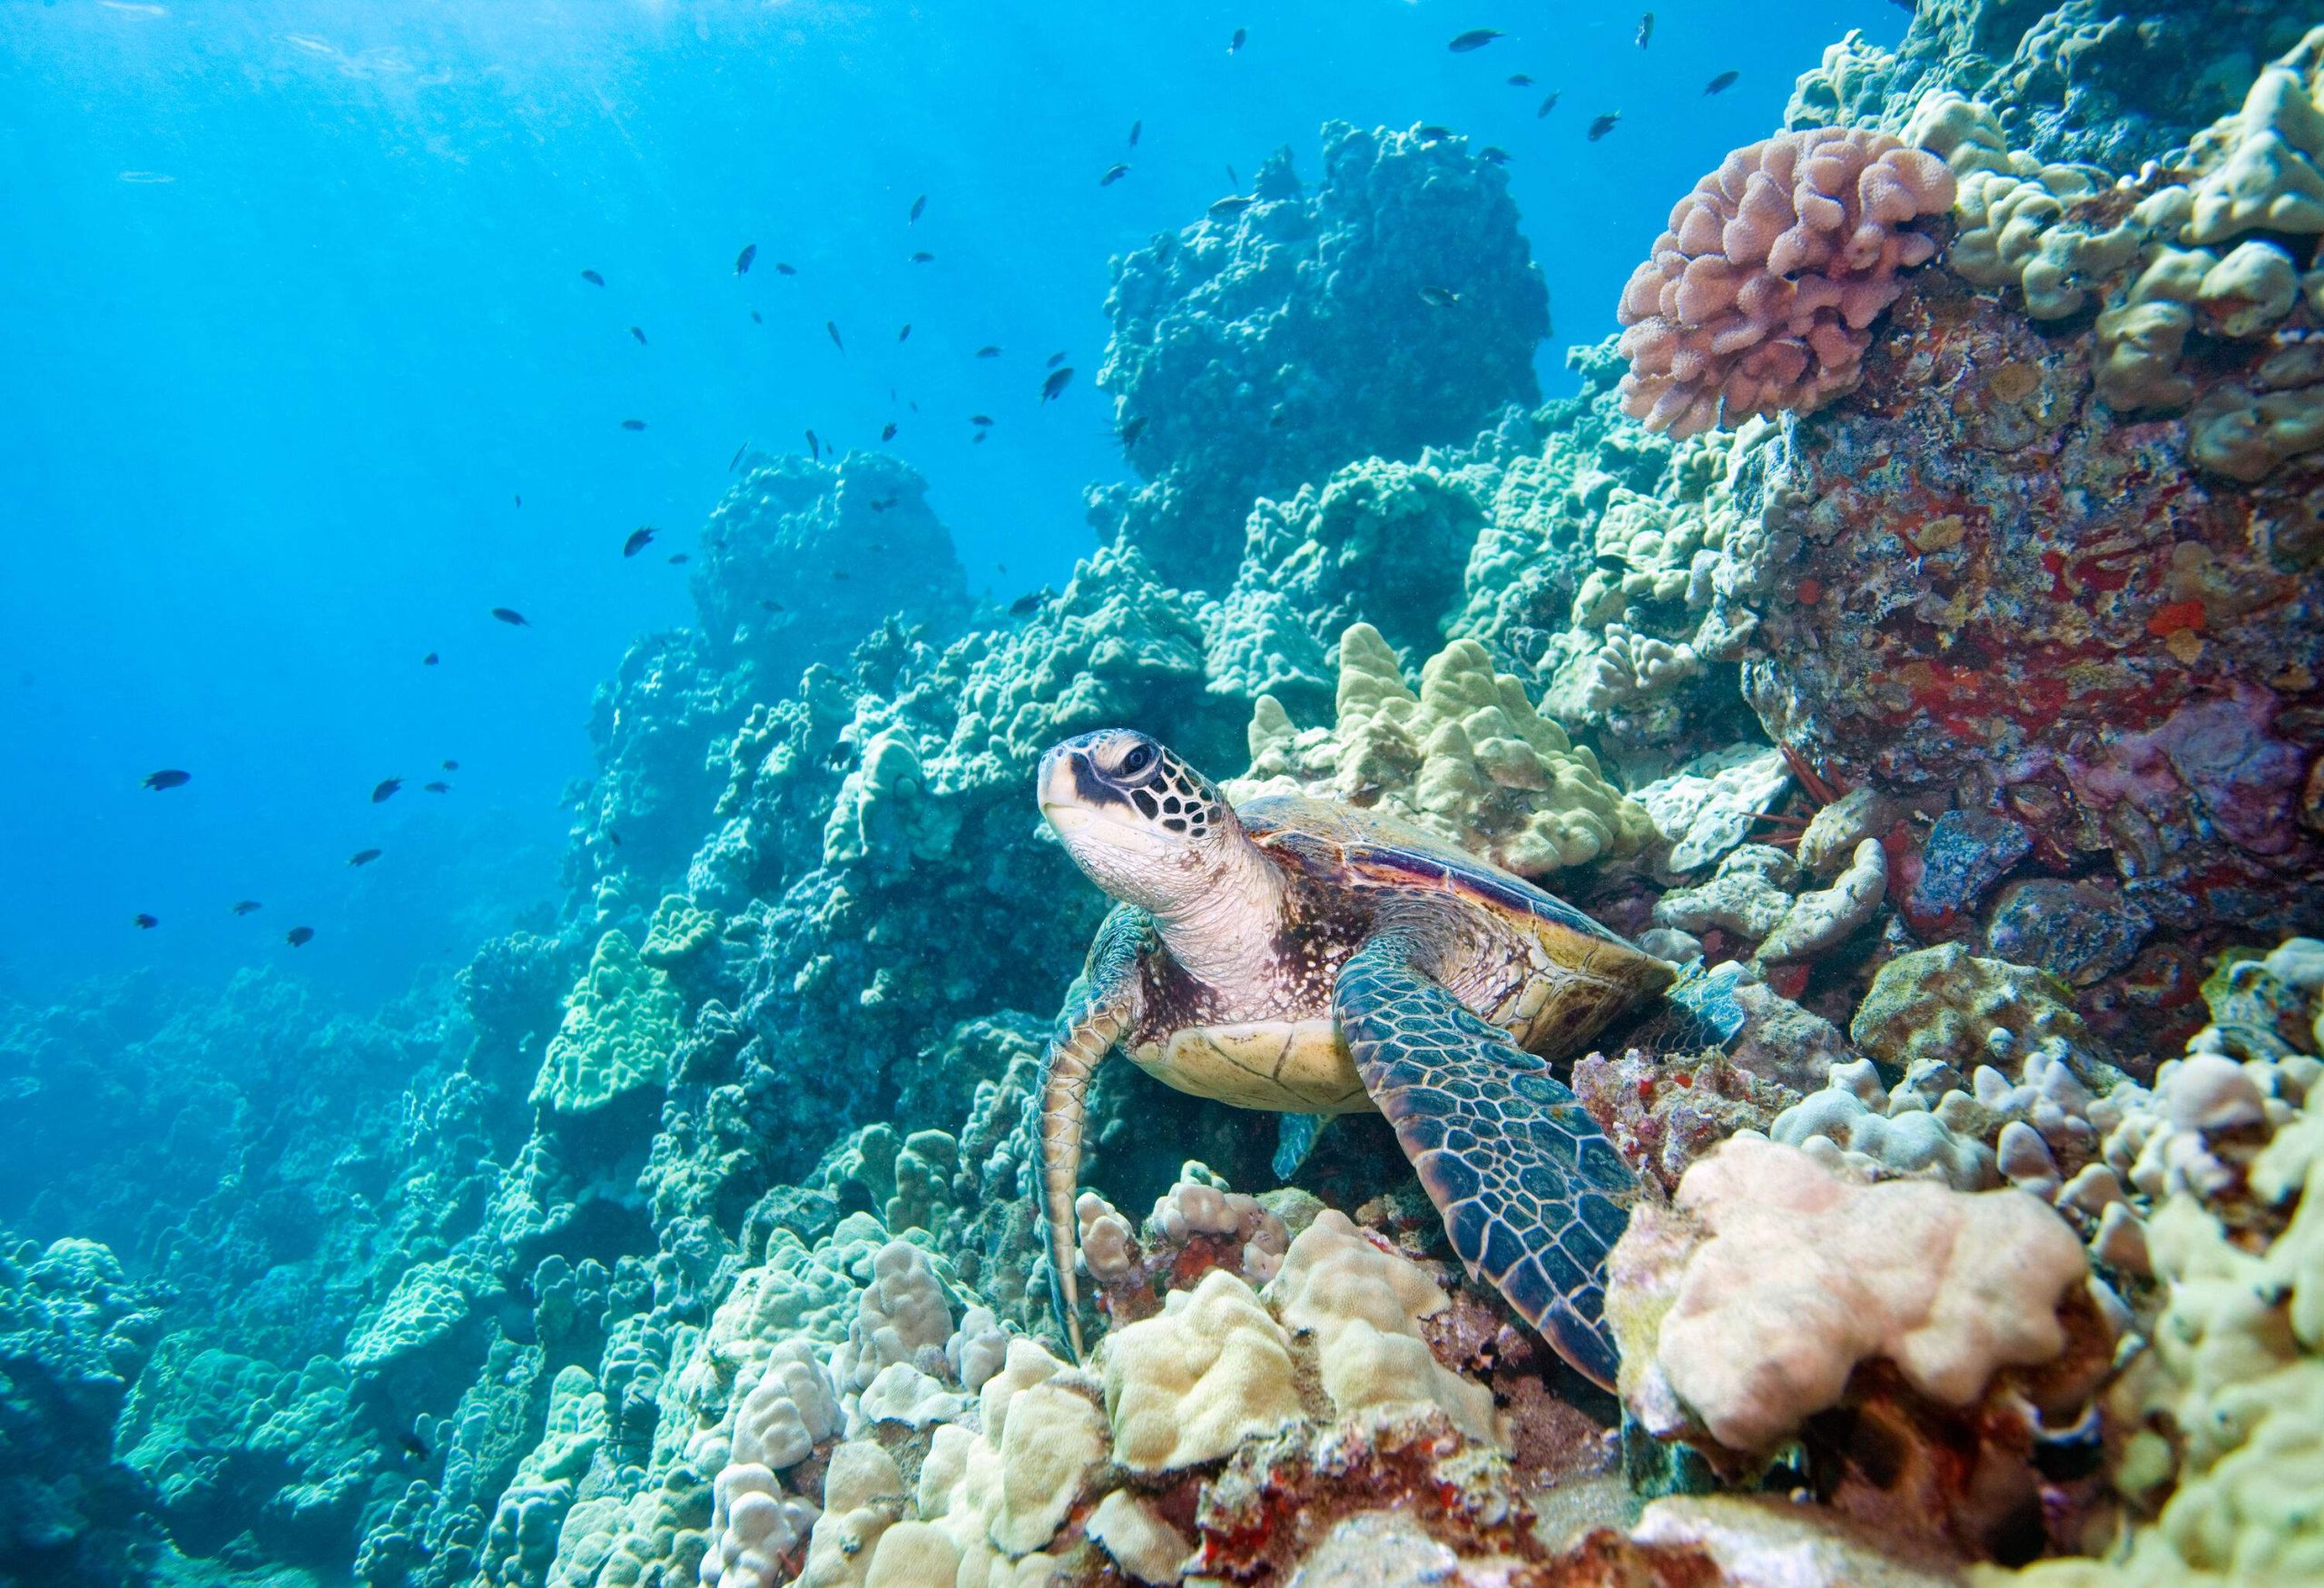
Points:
(618, 1032)
(1467, 757)
(1759, 297)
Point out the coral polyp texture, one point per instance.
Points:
(1761, 297)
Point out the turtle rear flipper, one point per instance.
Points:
(1296, 1138)
(1533, 1195)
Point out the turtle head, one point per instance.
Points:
(1146, 827)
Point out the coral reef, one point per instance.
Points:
(2075, 83)
(1247, 351)
(1759, 298)
(74, 1334)
(1467, 757)
(1957, 711)
(2085, 666)
(1756, 1321)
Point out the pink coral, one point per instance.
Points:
(1757, 298)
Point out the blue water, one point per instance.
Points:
(295, 315)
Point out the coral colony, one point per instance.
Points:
(1910, 629)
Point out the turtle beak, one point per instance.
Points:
(1064, 780)
(1056, 781)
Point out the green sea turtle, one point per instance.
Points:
(1313, 960)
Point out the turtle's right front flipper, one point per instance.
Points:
(1534, 1194)
(1098, 1009)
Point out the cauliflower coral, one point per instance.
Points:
(1758, 298)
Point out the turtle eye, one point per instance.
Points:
(1140, 757)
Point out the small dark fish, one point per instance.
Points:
(735, 461)
(677, 558)
(831, 330)
(429, 660)
(451, 766)
(1604, 124)
(1493, 155)
(640, 335)
(1133, 431)
(783, 269)
(1242, 36)
(1056, 382)
(614, 836)
(1233, 205)
(245, 906)
(593, 278)
(1645, 29)
(511, 617)
(1231, 181)
(364, 856)
(978, 418)
(1440, 297)
(978, 438)
(1612, 562)
(923, 257)
(884, 503)
(1548, 105)
(299, 937)
(1135, 129)
(1476, 38)
(842, 574)
(1722, 83)
(918, 205)
(520, 501)
(413, 1444)
(1114, 174)
(756, 319)
(1430, 133)
(1025, 606)
(888, 431)
(988, 352)
(438, 786)
(639, 540)
(840, 756)
(815, 448)
(632, 425)
(742, 260)
(385, 790)
(1518, 80)
(144, 923)
(1054, 361)
(170, 777)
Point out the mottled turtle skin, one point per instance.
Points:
(1304, 957)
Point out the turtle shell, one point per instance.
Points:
(1323, 839)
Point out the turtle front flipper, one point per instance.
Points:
(1532, 1193)
(1098, 1009)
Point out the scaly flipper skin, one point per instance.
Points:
(1532, 1193)
(1098, 1009)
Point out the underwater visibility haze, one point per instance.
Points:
(1328, 792)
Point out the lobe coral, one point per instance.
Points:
(1759, 298)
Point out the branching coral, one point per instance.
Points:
(1759, 297)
